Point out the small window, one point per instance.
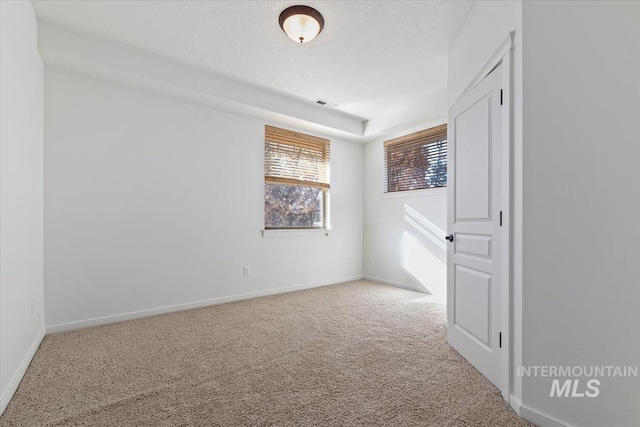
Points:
(416, 161)
(296, 180)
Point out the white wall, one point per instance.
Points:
(403, 232)
(155, 202)
(581, 175)
(487, 26)
(21, 246)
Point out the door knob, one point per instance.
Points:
(449, 238)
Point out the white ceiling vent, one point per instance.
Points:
(325, 103)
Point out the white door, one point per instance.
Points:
(474, 281)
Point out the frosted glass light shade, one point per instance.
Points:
(301, 23)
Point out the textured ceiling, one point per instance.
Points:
(371, 57)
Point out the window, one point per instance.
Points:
(416, 161)
(296, 180)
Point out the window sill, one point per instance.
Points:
(426, 192)
(296, 232)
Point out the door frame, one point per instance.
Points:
(504, 56)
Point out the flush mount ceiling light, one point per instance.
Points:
(301, 23)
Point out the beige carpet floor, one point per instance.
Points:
(354, 354)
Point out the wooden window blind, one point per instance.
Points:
(416, 161)
(295, 158)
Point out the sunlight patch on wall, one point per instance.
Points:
(425, 267)
(424, 226)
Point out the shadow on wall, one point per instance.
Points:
(424, 254)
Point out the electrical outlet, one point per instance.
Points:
(246, 272)
(370, 260)
(350, 260)
(33, 306)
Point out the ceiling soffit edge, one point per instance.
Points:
(67, 48)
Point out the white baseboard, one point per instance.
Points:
(179, 307)
(537, 418)
(396, 284)
(17, 377)
(515, 403)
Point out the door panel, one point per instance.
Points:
(473, 178)
(474, 202)
(473, 244)
(473, 302)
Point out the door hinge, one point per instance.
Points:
(500, 339)
(500, 218)
(500, 96)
